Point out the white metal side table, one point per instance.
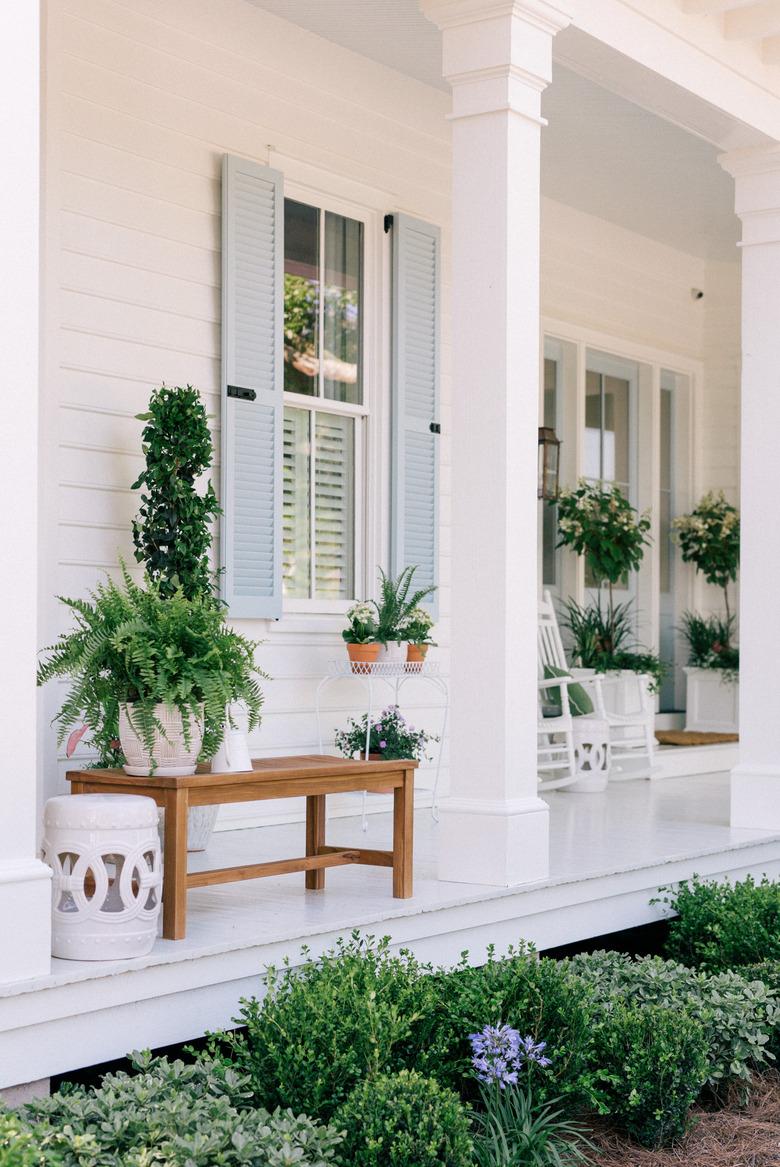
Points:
(394, 674)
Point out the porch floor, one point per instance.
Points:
(609, 855)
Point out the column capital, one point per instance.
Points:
(548, 15)
(756, 174)
(497, 54)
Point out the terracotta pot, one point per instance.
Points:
(416, 653)
(363, 656)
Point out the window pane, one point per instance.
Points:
(343, 309)
(549, 512)
(296, 525)
(334, 489)
(550, 417)
(592, 465)
(301, 297)
(666, 439)
(615, 450)
(665, 540)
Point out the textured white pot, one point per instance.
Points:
(201, 821)
(170, 755)
(394, 652)
(712, 703)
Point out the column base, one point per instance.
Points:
(502, 844)
(25, 920)
(755, 797)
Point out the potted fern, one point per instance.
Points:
(151, 675)
(394, 612)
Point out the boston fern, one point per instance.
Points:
(135, 645)
(397, 603)
(172, 532)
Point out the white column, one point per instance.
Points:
(24, 881)
(755, 783)
(498, 58)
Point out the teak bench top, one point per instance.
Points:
(312, 775)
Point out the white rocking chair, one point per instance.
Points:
(629, 709)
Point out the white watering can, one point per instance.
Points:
(232, 757)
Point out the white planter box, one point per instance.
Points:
(712, 702)
(625, 692)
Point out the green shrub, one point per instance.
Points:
(173, 1114)
(537, 996)
(653, 1065)
(321, 1028)
(768, 973)
(738, 1017)
(404, 1120)
(18, 1145)
(720, 926)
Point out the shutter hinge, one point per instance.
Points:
(241, 393)
(388, 223)
(435, 427)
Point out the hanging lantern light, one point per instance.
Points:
(549, 460)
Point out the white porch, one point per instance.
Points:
(608, 857)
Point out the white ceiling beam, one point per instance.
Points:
(753, 23)
(770, 50)
(709, 7)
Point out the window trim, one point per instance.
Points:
(366, 414)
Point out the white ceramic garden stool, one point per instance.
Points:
(104, 851)
(591, 755)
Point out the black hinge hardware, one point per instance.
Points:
(388, 223)
(435, 427)
(241, 393)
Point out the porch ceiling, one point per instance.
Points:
(601, 153)
(744, 20)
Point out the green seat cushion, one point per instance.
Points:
(580, 703)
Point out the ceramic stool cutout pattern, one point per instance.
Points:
(591, 755)
(104, 851)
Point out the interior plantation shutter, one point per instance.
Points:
(415, 399)
(252, 387)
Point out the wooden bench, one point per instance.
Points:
(313, 776)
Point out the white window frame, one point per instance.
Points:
(364, 414)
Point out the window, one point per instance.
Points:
(550, 512)
(324, 412)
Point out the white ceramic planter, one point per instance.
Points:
(170, 755)
(394, 652)
(201, 821)
(712, 702)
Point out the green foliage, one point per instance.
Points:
(720, 926)
(709, 643)
(603, 639)
(174, 1115)
(323, 1027)
(738, 1018)
(404, 1120)
(514, 1130)
(132, 644)
(19, 1146)
(418, 627)
(600, 524)
(653, 1064)
(361, 627)
(172, 533)
(397, 604)
(390, 735)
(768, 973)
(709, 539)
(537, 996)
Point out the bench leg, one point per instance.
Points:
(175, 865)
(403, 837)
(315, 838)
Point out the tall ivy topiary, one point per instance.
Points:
(172, 532)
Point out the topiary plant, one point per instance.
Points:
(172, 533)
(719, 925)
(404, 1120)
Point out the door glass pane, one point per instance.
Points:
(592, 453)
(550, 512)
(343, 310)
(296, 513)
(665, 494)
(301, 297)
(615, 442)
(334, 492)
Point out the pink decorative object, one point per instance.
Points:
(74, 740)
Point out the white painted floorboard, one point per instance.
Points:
(609, 855)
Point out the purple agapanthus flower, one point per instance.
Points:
(499, 1053)
(383, 745)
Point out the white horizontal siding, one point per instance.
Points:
(143, 99)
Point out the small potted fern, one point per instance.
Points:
(151, 675)
(395, 612)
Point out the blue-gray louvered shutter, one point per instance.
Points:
(252, 387)
(415, 400)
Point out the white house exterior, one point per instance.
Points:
(582, 168)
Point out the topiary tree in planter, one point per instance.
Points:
(172, 532)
